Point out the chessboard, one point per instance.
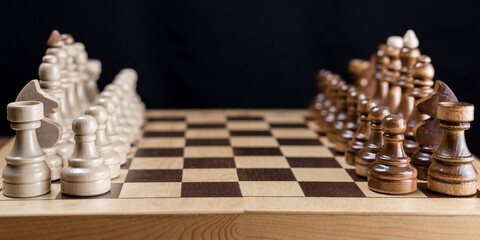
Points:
(230, 174)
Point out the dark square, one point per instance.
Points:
(354, 176)
(313, 162)
(166, 119)
(114, 192)
(211, 189)
(164, 134)
(249, 133)
(208, 142)
(265, 174)
(321, 134)
(334, 152)
(431, 194)
(206, 125)
(260, 151)
(302, 142)
(159, 152)
(245, 118)
(288, 125)
(127, 164)
(209, 163)
(154, 176)
(331, 189)
(307, 118)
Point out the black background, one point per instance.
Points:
(238, 54)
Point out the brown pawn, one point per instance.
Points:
(351, 123)
(452, 171)
(381, 62)
(394, 45)
(374, 144)
(422, 74)
(392, 172)
(408, 57)
(329, 103)
(317, 101)
(338, 114)
(428, 133)
(361, 135)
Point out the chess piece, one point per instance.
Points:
(56, 48)
(452, 171)
(317, 101)
(26, 173)
(86, 174)
(392, 172)
(94, 69)
(408, 57)
(428, 133)
(361, 71)
(104, 148)
(71, 74)
(337, 114)
(118, 146)
(394, 45)
(381, 62)
(81, 61)
(50, 130)
(351, 122)
(329, 105)
(361, 135)
(125, 133)
(422, 74)
(374, 144)
(50, 82)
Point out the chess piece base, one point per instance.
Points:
(27, 189)
(453, 189)
(85, 189)
(394, 187)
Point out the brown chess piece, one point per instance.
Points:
(408, 57)
(381, 62)
(361, 135)
(337, 113)
(422, 74)
(317, 101)
(329, 104)
(351, 122)
(394, 45)
(452, 171)
(428, 133)
(392, 172)
(361, 71)
(374, 144)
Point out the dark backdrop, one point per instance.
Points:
(237, 54)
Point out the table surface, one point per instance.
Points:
(232, 162)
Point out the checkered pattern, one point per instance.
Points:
(218, 154)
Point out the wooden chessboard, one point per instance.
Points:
(238, 174)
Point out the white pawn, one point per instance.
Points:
(26, 173)
(94, 69)
(110, 157)
(118, 146)
(86, 174)
(122, 135)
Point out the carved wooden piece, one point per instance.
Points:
(428, 133)
(86, 174)
(328, 104)
(394, 45)
(337, 113)
(374, 144)
(362, 72)
(351, 123)
(317, 101)
(110, 157)
(422, 74)
(50, 131)
(392, 172)
(452, 171)
(94, 69)
(361, 135)
(26, 173)
(381, 62)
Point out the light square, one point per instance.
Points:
(293, 133)
(207, 133)
(261, 162)
(210, 175)
(200, 152)
(206, 118)
(341, 160)
(305, 151)
(321, 175)
(153, 190)
(157, 163)
(369, 193)
(165, 126)
(247, 125)
(253, 142)
(121, 178)
(270, 189)
(157, 142)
